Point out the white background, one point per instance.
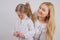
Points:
(8, 16)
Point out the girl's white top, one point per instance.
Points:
(26, 27)
(40, 30)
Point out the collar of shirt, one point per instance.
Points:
(43, 25)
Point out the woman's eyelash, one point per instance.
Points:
(43, 9)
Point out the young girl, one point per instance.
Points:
(45, 25)
(24, 30)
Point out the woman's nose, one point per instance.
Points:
(40, 11)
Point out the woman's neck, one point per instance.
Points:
(42, 20)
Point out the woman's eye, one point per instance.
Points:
(43, 10)
(40, 7)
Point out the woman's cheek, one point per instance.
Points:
(44, 14)
(38, 14)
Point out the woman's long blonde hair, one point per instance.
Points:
(51, 20)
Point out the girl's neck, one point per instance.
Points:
(23, 17)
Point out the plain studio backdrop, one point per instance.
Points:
(8, 16)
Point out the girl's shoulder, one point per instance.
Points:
(29, 20)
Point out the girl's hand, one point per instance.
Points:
(21, 35)
(16, 34)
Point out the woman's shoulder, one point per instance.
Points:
(37, 21)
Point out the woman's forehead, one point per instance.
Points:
(44, 6)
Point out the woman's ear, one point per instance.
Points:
(48, 15)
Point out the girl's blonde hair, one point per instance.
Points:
(25, 8)
(28, 8)
(51, 20)
(34, 17)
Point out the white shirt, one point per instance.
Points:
(40, 28)
(26, 27)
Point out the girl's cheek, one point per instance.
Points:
(18, 15)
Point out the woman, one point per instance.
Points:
(45, 24)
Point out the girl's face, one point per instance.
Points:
(21, 15)
(43, 11)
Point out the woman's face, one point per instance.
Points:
(43, 11)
